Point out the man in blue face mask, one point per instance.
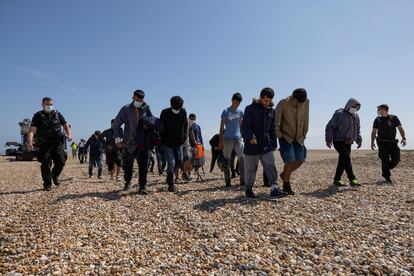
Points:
(134, 139)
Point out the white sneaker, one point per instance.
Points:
(118, 178)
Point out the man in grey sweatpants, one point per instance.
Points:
(258, 131)
(230, 136)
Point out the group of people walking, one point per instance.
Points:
(253, 135)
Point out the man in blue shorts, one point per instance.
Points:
(292, 122)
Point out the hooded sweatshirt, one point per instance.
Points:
(259, 123)
(344, 126)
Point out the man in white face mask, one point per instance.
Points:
(48, 123)
(342, 131)
(134, 138)
(174, 136)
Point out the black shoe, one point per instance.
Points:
(171, 188)
(48, 188)
(228, 183)
(55, 180)
(242, 183)
(250, 194)
(233, 175)
(266, 185)
(288, 189)
(127, 186)
(278, 193)
(388, 180)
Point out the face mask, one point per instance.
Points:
(379, 113)
(175, 111)
(192, 121)
(48, 108)
(137, 104)
(353, 110)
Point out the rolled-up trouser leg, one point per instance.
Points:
(239, 148)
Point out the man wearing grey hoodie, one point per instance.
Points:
(341, 132)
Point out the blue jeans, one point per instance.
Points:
(174, 156)
(95, 160)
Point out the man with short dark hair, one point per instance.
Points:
(231, 137)
(174, 136)
(258, 131)
(113, 153)
(384, 131)
(134, 140)
(48, 123)
(96, 149)
(292, 123)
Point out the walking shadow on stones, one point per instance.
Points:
(109, 196)
(20, 192)
(330, 191)
(211, 206)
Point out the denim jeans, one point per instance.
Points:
(95, 160)
(174, 156)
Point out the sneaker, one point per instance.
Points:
(278, 193)
(388, 180)
(55, 180)
(171, 188)
(250, 194)
(228, 183)
(355, 183)
(48, 188)
(142, 191)
(339, 183)
(233, 175)
(100, 176)
(118, 178)
(127, 186)
(288, 189)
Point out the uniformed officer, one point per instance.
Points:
(47, 124)
(384, 132)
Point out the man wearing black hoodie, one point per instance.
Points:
(258, 131)
(96, 149)
(174, 136)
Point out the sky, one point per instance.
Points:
(90, 56)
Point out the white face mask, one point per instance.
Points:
(137, 104)
(175, 111)
(379, 113)
(192, 121)
(48, 108)
(353, 110)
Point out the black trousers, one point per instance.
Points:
(234, 166)
(142, 157)
(48, 154)
(390, 156)
(113, 158)
(215, 154)
(344, 161)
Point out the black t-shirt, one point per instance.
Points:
(387, 127)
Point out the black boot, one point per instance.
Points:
(288, 189)
(55, 180)
(171, 188)
(228, 183)
(250, 194)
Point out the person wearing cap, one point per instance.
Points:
(343, 130)
(96, 149)
(292, 123)
(231, 139)
(384, 131)
(134, 140)
(174, 136)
